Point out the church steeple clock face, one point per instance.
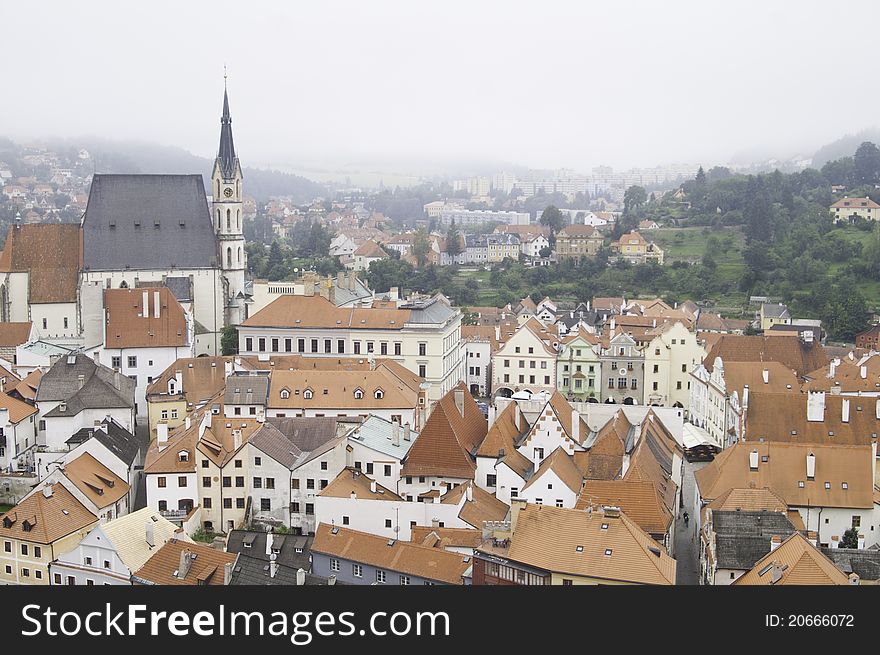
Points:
(228, 192)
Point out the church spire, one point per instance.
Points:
(226, 154)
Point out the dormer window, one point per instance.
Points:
(358, 394)
(379, 394)
(307, 394)
(183, 456)
(285, 394)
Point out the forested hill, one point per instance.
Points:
(140, 157)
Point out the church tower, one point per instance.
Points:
(226, 213)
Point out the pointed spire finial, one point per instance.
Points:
(224, 76)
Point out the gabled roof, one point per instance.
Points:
(775, 416)
(206, 568)
(482, 506)
(788, 350)
(146, 317)
(795, 561)
(202, 378)
(112, 436)
(51, 254)
(18, 409)
(450, 438)
(96, 482)
(317, 312)
(639, 500)
(786, 467)
(743, 537)
(45, 520)
(101, 386)
(370, 249)
(148, 222)
(749, 500)
(128, 534)
(352, 481)
(399, 556)
(562, 464)
(580, 541)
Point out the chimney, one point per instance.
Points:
(863, 371)
(185, 562)
(236, 439)
(162, 433)
(151, 535)
(459, 400)
(854, 578)
(117, 379)
(576, 425)
(81, 380)
(491, 415)
(187, 422)
(753, 460)
(157, 304)
(775, 542)
(331, 580)
(227, 368)
(766, 375)
(273, 568)
(470, 492)
(269, 540)
(145, 313)
(406, 436)
(47, 491)
(813, 538)
(373, 486)
(352, 280)
(844, 410)
(227, 573)
(178, 381)
(516, 504)
(832, 367)
(816, 406)
(395, 433)
(811, 466)
(340, 280)
(300, 577)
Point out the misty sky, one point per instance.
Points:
(543, 84)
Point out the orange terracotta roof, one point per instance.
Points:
(127, 326)
(14, 334)
(207, 568)
(795, 561)
(317, 312)
(46, 520)
(449, 440)
(51, 253)
(639, 500)
(97, 483)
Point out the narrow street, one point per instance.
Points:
(687, 554)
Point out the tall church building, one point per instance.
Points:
(227, 202)
(137, 231)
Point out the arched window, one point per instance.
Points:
(238, 219)
(228, 219)
(285, 394)
(218, 219)
(307, 394)
(358, 393)
(379, 394)
(229, 256)
(239, 254)
(218, 190)
(123, 285)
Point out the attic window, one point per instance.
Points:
(285, 394)
(183, 456)
(137, 223)
(579, 549)
(379, 394)
(358, 394)
(801, 484)
(182, 225)
(156, 224)
(608, 552)
(828, 485)
(764, 458)
(604, 526)
(307, 394)
(112, 225)
(844, 485)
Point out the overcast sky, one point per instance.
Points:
(543, 84)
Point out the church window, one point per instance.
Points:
(229, 256)
(239, 255)
(228, 219)
(218, 219)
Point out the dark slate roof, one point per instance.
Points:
(252, 543)
(113, 436)
(863, 562)
(119, 226)
(99, 390)
(246, 390)
(307, 434)
(743, 538)
(181, 287)
(226, 153)
(433, 311)
(252, 571)
(276, 445)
